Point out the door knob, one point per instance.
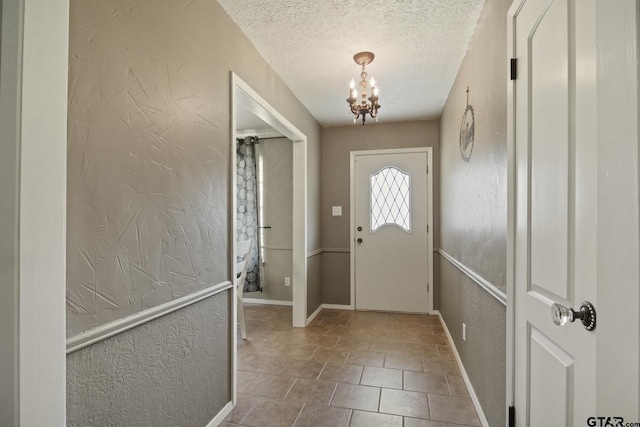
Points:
(562, 315)
(359, 240)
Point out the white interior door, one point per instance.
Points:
(555, 218)
(390, 219)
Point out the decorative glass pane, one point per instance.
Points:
(390, 199)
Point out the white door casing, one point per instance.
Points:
(391, 249)
(555, 177)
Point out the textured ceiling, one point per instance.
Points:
(419, 45)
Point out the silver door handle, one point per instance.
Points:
(562, 315)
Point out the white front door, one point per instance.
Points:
(390, 217)
(555, 209)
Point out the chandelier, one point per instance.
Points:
(362, 108)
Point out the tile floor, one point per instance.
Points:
(348, 368)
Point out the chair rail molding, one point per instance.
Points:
(492, 289)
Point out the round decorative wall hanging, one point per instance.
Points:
(467, 131)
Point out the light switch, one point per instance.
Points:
(336, 210)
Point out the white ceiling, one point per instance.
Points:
(419, 45)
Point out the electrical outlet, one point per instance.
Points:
(287, 281)
(464, 332)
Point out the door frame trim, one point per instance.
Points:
(353, 154)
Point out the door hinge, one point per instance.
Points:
(427, 228)
(427, 169)
(512, 416)
(514, 68)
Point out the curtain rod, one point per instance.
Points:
(272, 137)
(262, 139)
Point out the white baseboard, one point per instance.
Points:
(314, 314)
(266, 301)
(218, 419)
(337, 307)
(472, 393)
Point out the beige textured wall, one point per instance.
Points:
(148, 151)
(148, 183)
(473, 210)
(337, 143)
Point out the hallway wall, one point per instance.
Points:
(337, 143)
(148, 183)
(473, 211)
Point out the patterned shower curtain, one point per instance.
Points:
(247, 214)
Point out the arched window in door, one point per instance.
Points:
(390, 199)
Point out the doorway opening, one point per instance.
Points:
(245, 98)
(264, 196)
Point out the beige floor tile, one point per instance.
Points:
(420, 349)
(302, 368)
(341, 331)
(372, 419)
(273, 413)
(445, 352)
(433, 339)
(353, 343)
(260, 363)
(386, 346)
(323, 416)
(437, 329)
(382, 377)
(245, 378)
(242, 408)
(421, 328)
(312, 391)
(292, 338)
(426, 383)
(356, 397)
(327, 321)
(318, 329)
(457, 387)
(440, 366)
(407, 336)
(304, 352)
(432, 320)
(453, 410)
(402, 361)
(406, 403)
(334, 314)
(416, 422)
(366, 358)
(332, 355)
(268, 385)
(321, 340)
(342, 373)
